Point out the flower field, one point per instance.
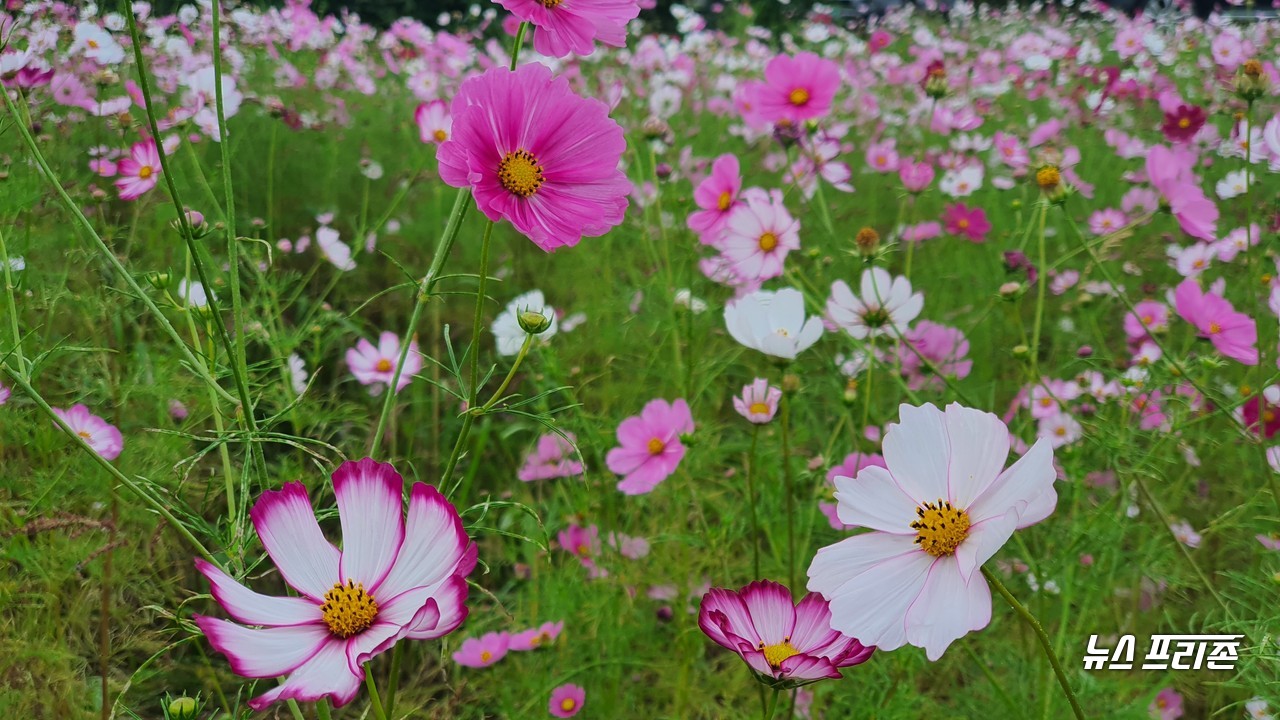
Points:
(581, 358)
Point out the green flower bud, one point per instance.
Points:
(183, 708)
(533, 322)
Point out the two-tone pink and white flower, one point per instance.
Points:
(395, 578)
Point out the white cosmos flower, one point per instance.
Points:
(96, 44)
(773, 323)
(940, 509)
(334, 250)
(193, 294)
(506, 327)
(297, 373)
(886, 305)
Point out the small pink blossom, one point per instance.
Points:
(649, 447)
(376, 365)
(758, 402)
(534, 638)
(102, 436)
(483, 651)
(1234, 334)
(567, 700)
(140, 171)
(553, 457)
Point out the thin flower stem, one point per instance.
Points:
(460, 207)
(322, 707)
(772, 709)
(374, 701)
(9, 287)
(1042, 636)
(131, 485)
(751, 503)
(478, 319)
(190, 358)
(1042, 285)
(497, 395)
(789, 485)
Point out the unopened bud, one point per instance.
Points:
(790, 383)
(787, 133)
(654, 128)
(1251, 83)
(1012, 290)
(159, 281)
(533, 321)
(850, 395)
(662, 170)
(183, 708)
(868, 241)
(1022, 352)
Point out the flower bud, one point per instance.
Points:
(662, 170)
(1251, 83)
(1012, 290)
(654, 128)
(182, 708)
(1022, 352)
(935, 80)
(790, 383)
(868, 241)
(158, 280)
(533, 321)
(850, 395)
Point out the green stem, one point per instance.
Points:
(106, 252)
(751, 503)
(772, 709)
(497, 395)
(120, 477)
(393, 682)
(1042, 636)
(9, 287)
(871, 374)
(478, 319)
(322, 707)
(1042, 285)
(374, 701)
(789, 484)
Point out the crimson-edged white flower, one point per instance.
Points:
(940, 509)
(396, 577)
(788, 644)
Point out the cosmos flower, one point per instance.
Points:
(773, 323)
(483, 651)
(1233, 333)
(538, 637)
(852, 465)
(139, 172)
(787, 643)
(649, 447)
(393, 579)
(717, 196)
(567, 700)
(562, 27)
(885, 307)
(433, 121)
(758, 236)
(796, 88)
(553, 457)
(758, 402)
(102, 436)
(1183, 123)
(968, 222)
(377, 365)
(943, 507)
(930, 350)
(1170, 173)
(508, 334)
(536, 154)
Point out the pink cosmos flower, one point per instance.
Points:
(434, 122)
(788, 644)
(536, 154)
(758, 402)
(566, 700)
(1106, 221)
(568, 27)
(938, 350)
(4, 394)
(797, 88)
(394, 578)
(377, 365)
(758, 236)
(883, 157)
(552, 458)
(852, 465)
(483, 651)
(1152, 316)
(921, 232)
(941, 509)
(1167, 705)
(140, 171)
(649, 445)
(535, 638)
(960, 219)
(718, 197)
(1170, 172)
(102, 436)
(915, 176)
(1233, 333)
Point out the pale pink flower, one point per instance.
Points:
(434, 121)
(483, 651)
(758, 402)
(534, 638)
(885, 307)
(376, 365)
(102, 436)
(758, 236)
(553, 457)
(139, 172)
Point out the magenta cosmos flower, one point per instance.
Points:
(797, 88)
(102, 436)
(1170, 172)
(649, 445)
(139, 172)
(566, 700)
(394, 578)
(377, 365)
(758, 402)
(536, 154)
(943, 506)
(483, 651)
(717, 196)
(967, 222)
(573, 26)
(535, 638)
(1233, 333)
(788, 644)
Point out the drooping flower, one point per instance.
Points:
(717, 196)
(1233, 333)
(797, 88)
(968, 222)
(139, 172)
(507, 331)
(377, 365)
(536, 154)
(787, 643)
(561, 27)
(649, 447)
(434, 122)
(483, 651)
(538, 637)
(567, 700)
(553, 457)
(102, 436)
(941, 509)
(758, 402)
(885, 307)
(773, 323)
(395, 578)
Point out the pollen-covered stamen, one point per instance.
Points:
(1214, 328)
(758, 408)
(520, 173)
(441, 135)
(384, 365)
(656, 446)
(799, 96)
(145, 172)
(1048, 177)
(940, 527)
(724, 201)
(348, 610)
(550, 4)
(776, 653)
(768, 242)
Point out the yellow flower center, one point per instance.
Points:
(384, 365)
(1184, 123)
(724, 201)
(144, 172)
(775, 654)
(656, 446)
(799, 96)
(768, 241)
(440, 135)
(485, 656)
(568, 704)
(1268, 417)
(549, 4)
(1048, 177)
(520, 173)
(348, 610)
(1060, 431)
(758, 408)
(962, 223)
(940, 528)
(1214, 328)
(93, 44)
(85, 434)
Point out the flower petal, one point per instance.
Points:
(450, 598)
(434, 542)
(326, 674)
(808, 667)
(979, 448)
(370, 508)
(253, 608)
(916, 451)
(875, 500)
(289, 531)
(947, 608)
(264, 653)
(772, 611)
(1027, 486)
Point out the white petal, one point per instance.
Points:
(948, 607)
(875, 501)
(372, 514)
(979, 447)
(1027, 486)
(288, 530)
(917, 452)
(434, 542)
